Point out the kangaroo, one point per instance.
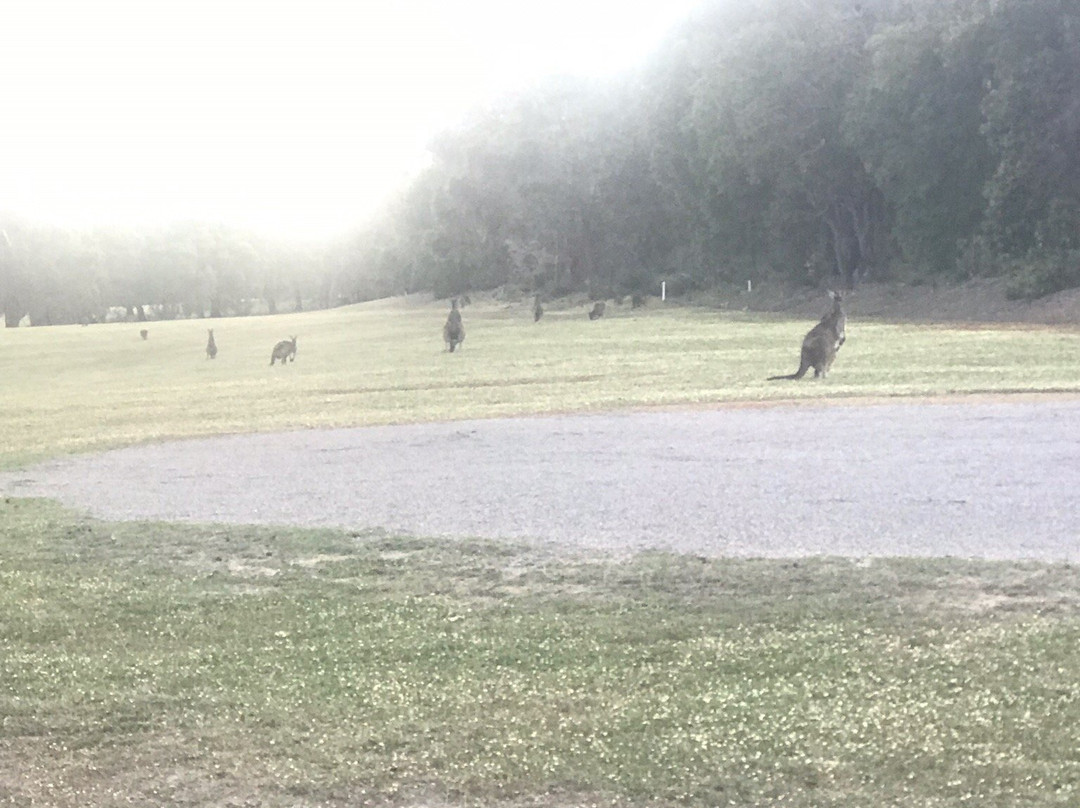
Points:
(597, 310)
(454, 330)
(821, 343)
(286, 349)
(538, 310)
(211, 346)
(144, 333)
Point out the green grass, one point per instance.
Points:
(156, 664)
(72, 389)
(162, 664)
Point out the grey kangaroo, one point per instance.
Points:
(597, 311)
(454, 330)
(286, 349)
(538, 310)
(821, 343)
(211, 346)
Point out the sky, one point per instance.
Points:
(296, 118)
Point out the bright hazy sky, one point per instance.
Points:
(300, 115)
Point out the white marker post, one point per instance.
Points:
(663, 291)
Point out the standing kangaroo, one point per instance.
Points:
(454, 330)
(286, 349)
(538, 310)
(821, 343)
(211, 346)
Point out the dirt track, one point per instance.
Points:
(987, 479)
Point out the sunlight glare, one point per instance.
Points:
(284, 116)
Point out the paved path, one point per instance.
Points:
(987, 479)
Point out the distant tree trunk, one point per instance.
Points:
(271, 301)
(845, 250)
(299, 300)
(854, 223)
(142, 313)
(13, 312)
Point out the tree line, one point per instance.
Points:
(51, 275)
(812, 141)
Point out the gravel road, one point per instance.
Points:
(986, 479)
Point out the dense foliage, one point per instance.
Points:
(829, 140)
(818, 141)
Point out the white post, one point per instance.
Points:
(663, 290)
(749, 285)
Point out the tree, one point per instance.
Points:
(1032, 113)
(915, 120)
(15, 289)
(769, 107)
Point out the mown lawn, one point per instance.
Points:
(153, 664)
(74, 389)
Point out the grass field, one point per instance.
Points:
(157, 664)
(72, 389)
(145, 664)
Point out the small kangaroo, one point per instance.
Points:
(538, 310)
(286, 349)
(211, 346)
(821, 343)
(597, 311)
(454, 330)
(144, 333)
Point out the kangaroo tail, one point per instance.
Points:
(798, 374)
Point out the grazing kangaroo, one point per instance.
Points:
(286, 349)
(211, 346)
(538, 310)
(144, 333)
(454, 330)
(597, 310)
(821, 343)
